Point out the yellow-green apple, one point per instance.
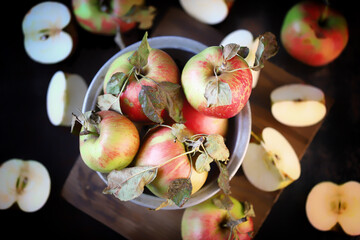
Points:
(215, 85)
(245, 38)
(205, 11)
(109, 142)
(206, 220)
(272, 164)
(159, 147)
(65, 95)
(298, 105)
(24, 182)
(160, 67)
(48, 35)
(199, 123)
(313, 33)
(329, 203)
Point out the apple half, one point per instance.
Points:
(245, 38)
(272, 164)
(298, 105)
(24, 182)
(65, 95)
(44, 39)
(328, 204)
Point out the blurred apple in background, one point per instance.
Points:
(313, 33)
(24, 182)
(48, 35)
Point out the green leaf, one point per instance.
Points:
(151, 104)
(179, 191)
(76, 125)
(217, 93)
(128, 183)
(171, 94)
(243, 52)
(108, 102)
(268, 47)
(224, 178)
(116, 82)
(230, 50)
(216, 148)
(202, 163)
(141, 14)
(139, 58)
(180, 132)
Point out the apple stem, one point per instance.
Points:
(324, 14)
(257, 138)
(118, 38)
(21, 184)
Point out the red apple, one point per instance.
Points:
(112, 144)
(160, 146)
(160, 68)
(313, 33)
(214, 86)
(206, 221)
(200, 123)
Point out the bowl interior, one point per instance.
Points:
(181, 50)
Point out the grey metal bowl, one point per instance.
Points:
(237, 140)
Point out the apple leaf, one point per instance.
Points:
(116, 82)
(248, 209)
(243, 52)
(180, 132)
(268, 47)
(171, 94)
(179, 191)
(217, 93)
(151, 104)
(216, 148)
(139, 58)
(230, 50)
(224, 178)
(108, 102)
(166, 203)
(128, 183)
(141, 14)
(202, 163)
(223, 201)
(76, 125)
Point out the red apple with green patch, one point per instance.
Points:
(108, 141)
(314, 34)
(208, 220)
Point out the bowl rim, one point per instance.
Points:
(242, 120)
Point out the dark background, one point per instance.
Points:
(333, 155)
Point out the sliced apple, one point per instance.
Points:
(328, 204)
(24, 182)
(65, 96)
(298, 105)
(272, 164)
(208, 12)
(45, 41)
(245, 38)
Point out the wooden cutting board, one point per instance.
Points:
(83, 188)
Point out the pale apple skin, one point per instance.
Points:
(199, 123)
(114, 148)
(310, 42)
(161, 67)
(199, 70)
(157, 148)
(93, 19)
(204, 222)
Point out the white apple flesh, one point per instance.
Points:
(245, 38)
(329, 203)
(298, 105)
(65, 96)
(273, 164)
(24, 182)
(44, 39)
(206, 11)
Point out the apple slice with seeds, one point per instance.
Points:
(272, 164)
(65, 96)
(298, 105)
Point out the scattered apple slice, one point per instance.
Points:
(272, 164)
(298, 105)
(24, 182)
(244, 37)
(45, 41)
(65, 96)
(329, 203)
(205, 11)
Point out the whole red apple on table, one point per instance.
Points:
(160, 67)
(201, 69)
(96, 17)
(200, 123)
(314, 34)
(160, 146)
(205, 221)
(113, 146)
